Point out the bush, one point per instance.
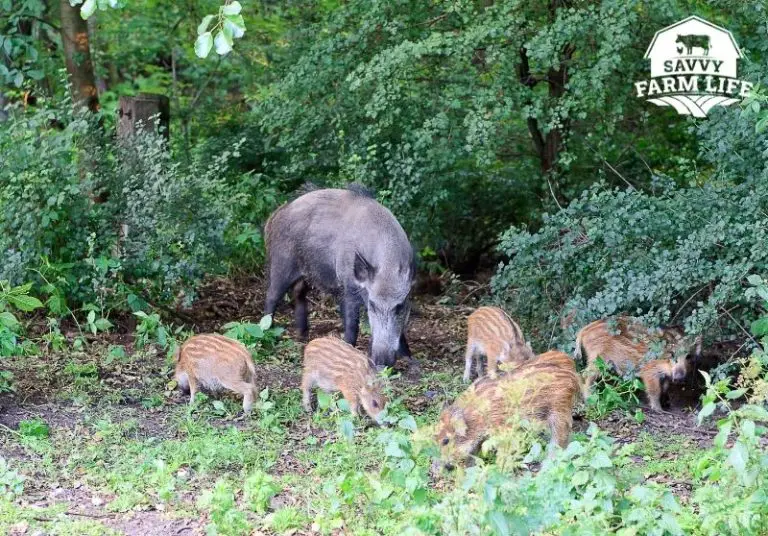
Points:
(96, 216)
(681, 256)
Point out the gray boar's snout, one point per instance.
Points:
(343, 242)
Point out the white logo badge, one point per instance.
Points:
(693, 68)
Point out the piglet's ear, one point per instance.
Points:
(364, 271)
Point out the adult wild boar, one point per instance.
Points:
(345, 243)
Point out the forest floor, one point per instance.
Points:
(124, 454)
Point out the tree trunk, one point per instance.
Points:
(77, 52)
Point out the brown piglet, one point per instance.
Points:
(333, 365)
(213, 363)
(545, 391)
(626, 344)
(492, 333)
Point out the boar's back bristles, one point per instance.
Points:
(545, 391)
(214, 362)
(333, 365)
(342, 361)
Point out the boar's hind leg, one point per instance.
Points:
(300, 313)
(283, 273)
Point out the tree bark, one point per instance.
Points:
(77, 52)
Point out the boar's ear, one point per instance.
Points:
(364, 272)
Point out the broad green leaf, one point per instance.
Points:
(409, 423)
(499, 523)
(8, 320)
(722, 435)
(203, 45)
(706, 411)
(760, 327)
(88, 8)
(266, 322)
(223, 42)
(736, 393)
(25, 303)
(233, 8)
(738, 457)
(203, 27)
(348, 429)
(236, 25)
(102, 324)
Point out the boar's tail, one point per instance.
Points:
(360, 189)
(176, 353)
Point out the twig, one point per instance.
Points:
(747, 333)
(84, 514)
(12, 431)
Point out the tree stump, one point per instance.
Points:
(144, 112)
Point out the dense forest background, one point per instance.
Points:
(472, 120)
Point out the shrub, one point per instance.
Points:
(681, 256)
(97, 218)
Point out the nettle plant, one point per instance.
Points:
(14, 299)
(734, 473)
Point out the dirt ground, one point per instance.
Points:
(437, 337)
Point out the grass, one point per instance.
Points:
(122, 434)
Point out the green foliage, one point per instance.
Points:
(732, 497)
(36, 427)
(258, 490)
(14, 299)
(611, 392)
(226, 519)
(259, 337)
(11, 482)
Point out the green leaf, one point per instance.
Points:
(722, 435)
(8, 320)
(706, 411)
(236, 25)
(600, 460)
(25, 303)
(223, 42)
(232, 9)
(754, 280)
(499, 523)
(580, 478)
(88, 8)
(736, 393)
(203, 45)
(408, 423)
(91, 316)
(203, 27)
(266, 322)
(34, 428)
(738, 457)
(760, 327)
(102, 324)
(348, 429)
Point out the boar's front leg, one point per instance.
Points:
(300, 312)
(350, 311)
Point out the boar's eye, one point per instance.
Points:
(399, 308)
(375, 404)
(445, 441)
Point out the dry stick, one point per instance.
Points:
(84, 514)
(747, 333)
(11, 430)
